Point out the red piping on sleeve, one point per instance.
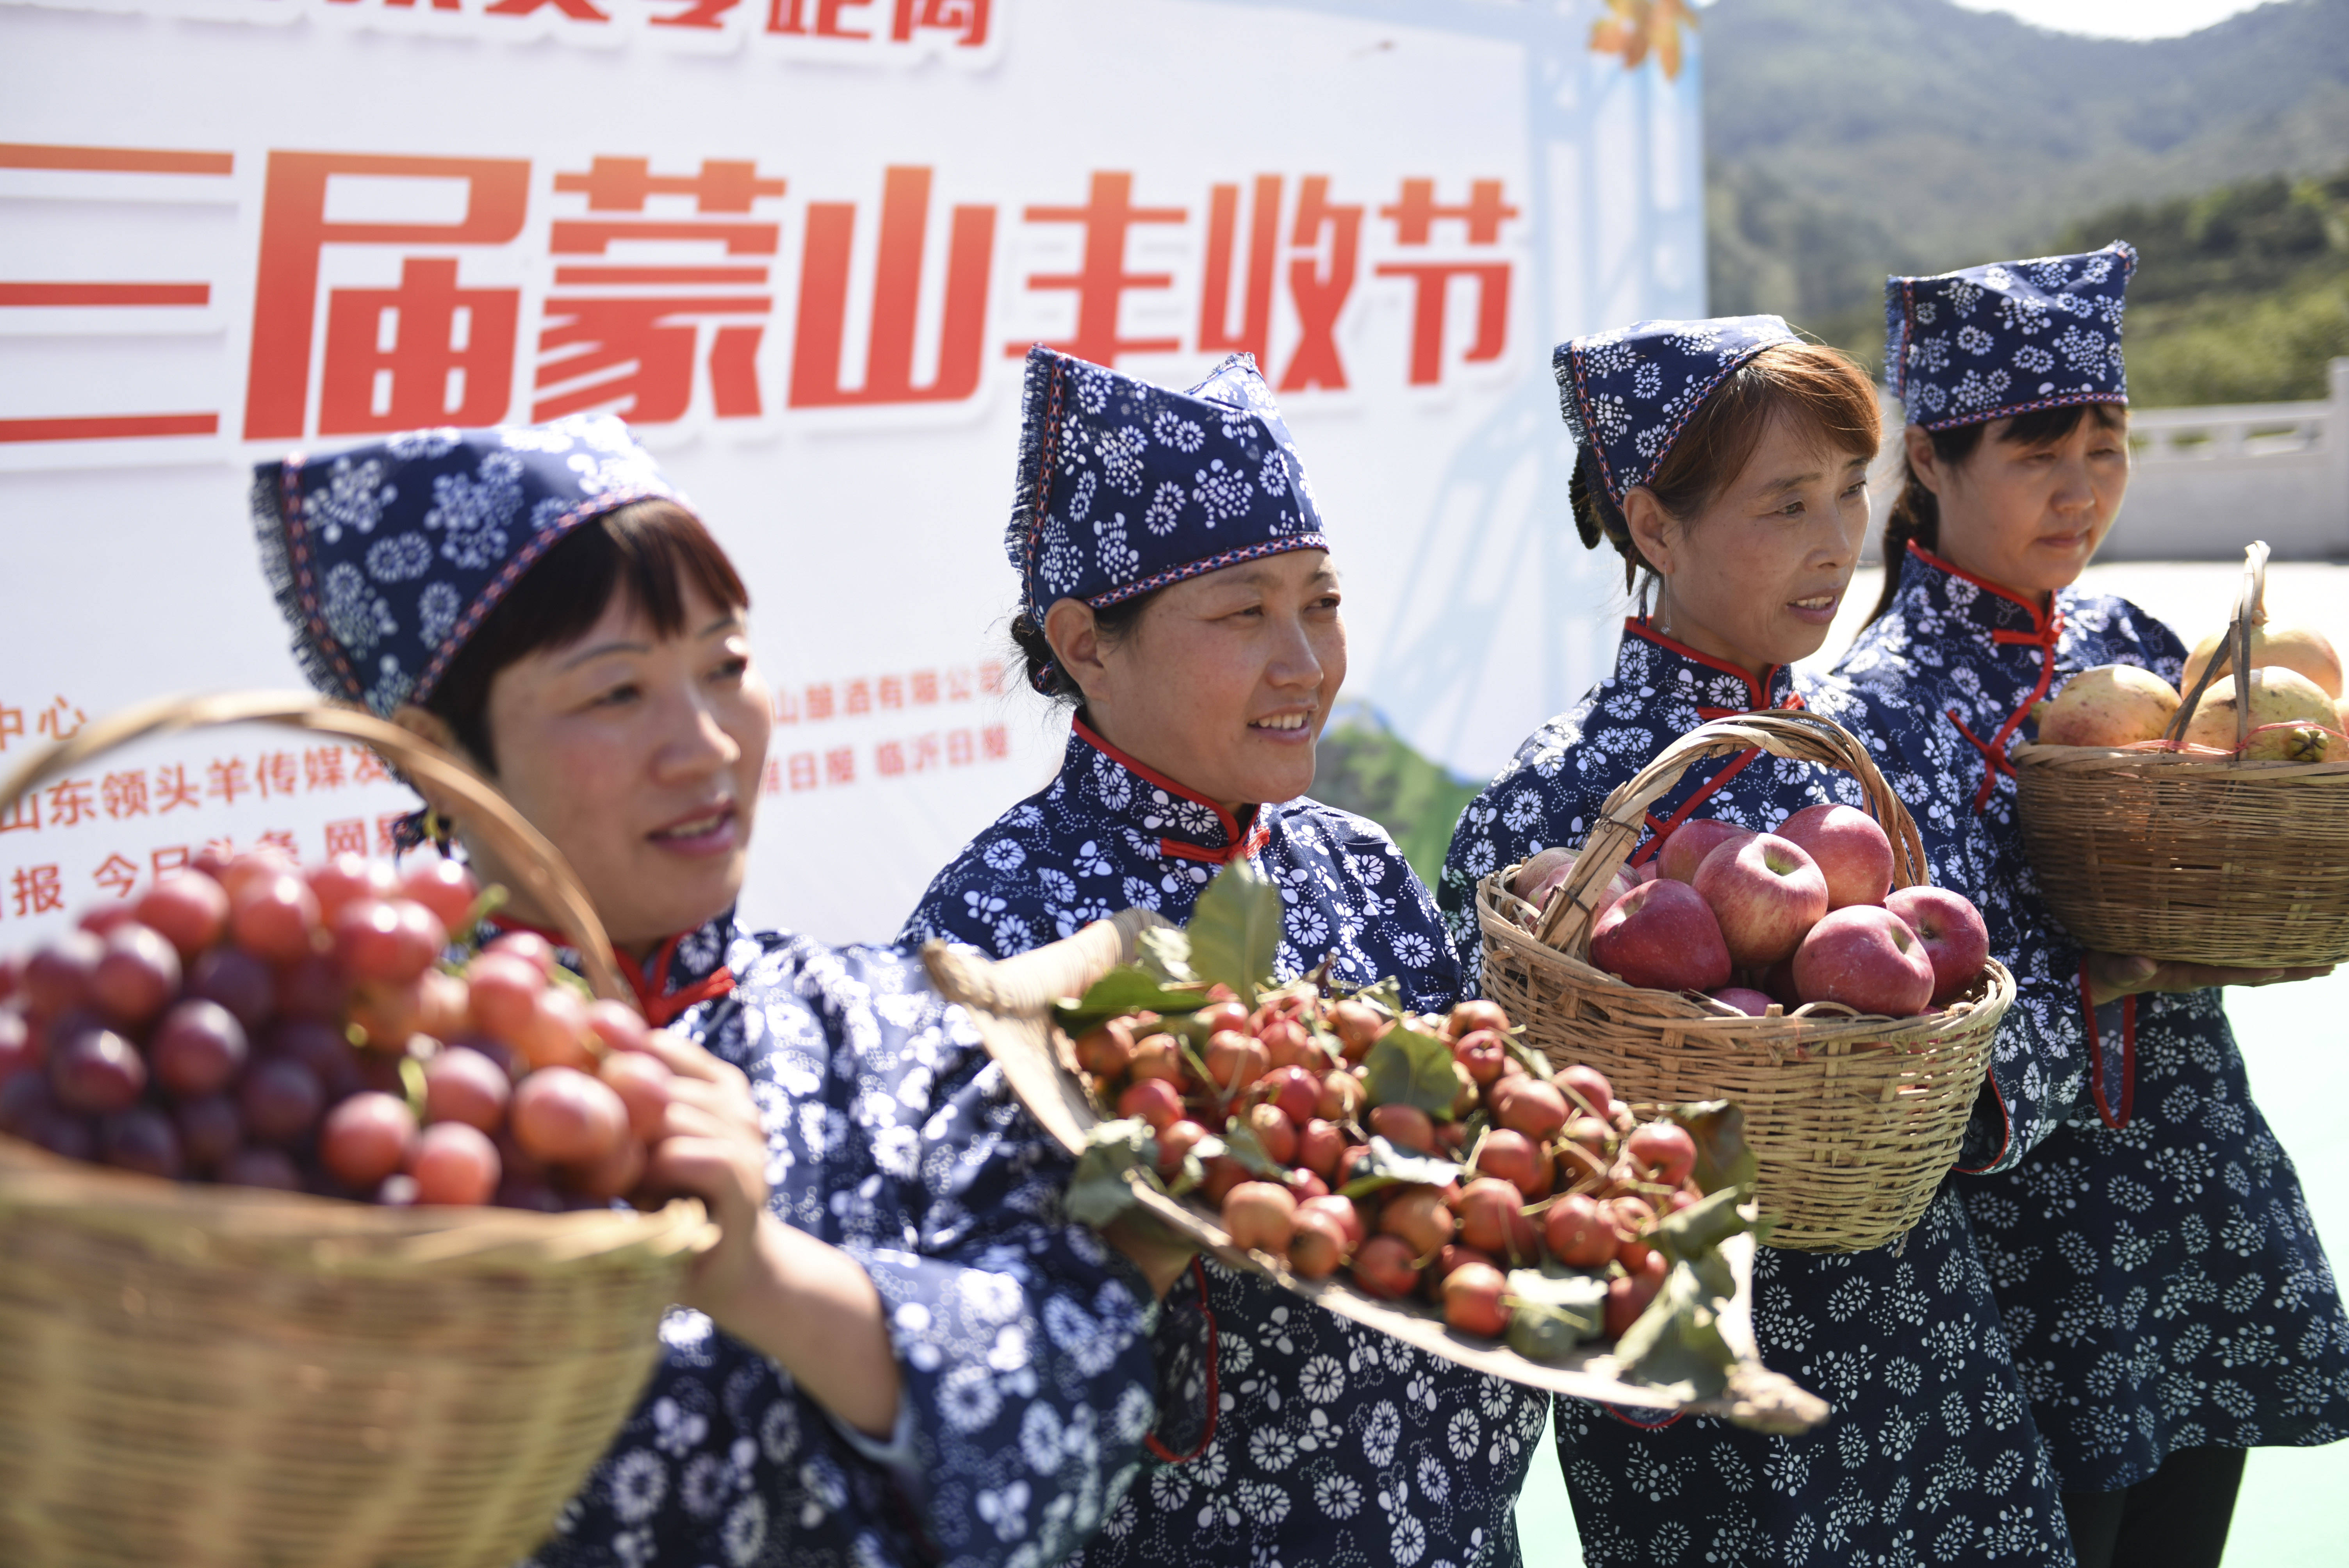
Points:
(1160, 1451)
(2111, 1119)
(1659, 831)
(1635, 1421)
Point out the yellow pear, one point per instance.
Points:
(2300, 648)
(2278, 696)
(2111, 704)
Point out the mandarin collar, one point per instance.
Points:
(1944, 590)
(1187, 824)
(1715, 687)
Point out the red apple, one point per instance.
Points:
(1766, 892)
(1748, 1002)
(1852, 852)
(1865, 957)
(1951, 929)
(1690, 842)
(1546, 873)
(1661, 937)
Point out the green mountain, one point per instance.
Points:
(1362, 766)
(1847, 138)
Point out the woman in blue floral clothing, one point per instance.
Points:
(901, 1353)
(2168, 1300)
(1727, 461)
(1177, 589)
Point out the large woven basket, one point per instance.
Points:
(195, 1376)
(1854, 1119)
(2192, 857)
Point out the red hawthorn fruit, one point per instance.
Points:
(1153, 1099)
(1260, 1216)
(1319, 1145)
(1346, 1213)
(1627, 1294)
(1577, 1235)
(1406, 1126)
(1473, 1300)
(1419, 1217)
(1471, 1016)
(1318, 1246)
(1274, 1131)
(1382, 1267)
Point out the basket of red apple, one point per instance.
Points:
(2209, 826)
(308, 1247)
(1808, 974)
(1427, 1176)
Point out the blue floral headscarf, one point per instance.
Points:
(1628, 393)
(1125, 487)
(385, 558)
(1986, 342)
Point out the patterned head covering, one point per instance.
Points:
(385, 558)
(1628, 393)
(1985, 342)
(1125, 487)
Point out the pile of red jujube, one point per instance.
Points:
(1517, 1171)
(247, 1023)
(1806, 913)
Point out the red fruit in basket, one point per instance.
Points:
(556, 1034)
(1663, 1150)
(1274, 1131)
(565, 1117)
(275, 917)
(210, 1130)
(1288, 1044)
(1473, 1300)
(1627, 1294)
(197, 1048)
(141, 1139)
(279, 1100)
(1318, 1244)
(1260, 1215)
(1661, 937)
(1420, 1216)
(620, 1027)
(1224, 1173)
(1343, 1097)
(57, 976)
(93, 1070)
(454, 1163)
(461, 1085)
(382, 943)
(1510, 1156)
(1488, 1208)
(616, 1175)
(238, 980)
(1951, 929)
(1405, 1126)
(504, 994)
(1345, 1212)
(1766, 893)
(313, 988)
(188, 908)
(366, 1137)
(1358, 1026)
(319, 1047)
(1234, 1061)
(1529, 1105)
(1689, 845)
(385, 1014)
(105, 920)
(1474, 1014)
(1319, 1145)
(349, 879)
(1106, 1050)
(1586, 1088)
(1480, 1051)
(1448, 1257)
(445, 888)
(642, 1082)
(1634, 1220)
(1577, 1235)
(252, 867)
(1868, 959)
(1221, 1015)
(1850, 851)
(527, 945)
(1158, 1057)
(1305, 1184)
(1296, 1091)
(1347, 1159)
(1467, 1094)
(1383, 1267)
(1153, 1101)
(261, 1167)
(1175, 1142)
(1751, 1003)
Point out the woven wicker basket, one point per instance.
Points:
(199, 1376)
(2197, 858)
(1854, 1119)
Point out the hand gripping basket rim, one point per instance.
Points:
(2186, 858)
(206, 1376)
(1855, 1120)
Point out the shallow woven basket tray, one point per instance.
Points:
(1011, 1003)
(194, 1375)
(2200, 859)
(1853, 1120)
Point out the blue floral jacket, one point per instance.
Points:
(1930, 1454)
(1288, 1434)
(2154, 1261)
(1023, 1342)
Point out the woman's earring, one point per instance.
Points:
(438, 830)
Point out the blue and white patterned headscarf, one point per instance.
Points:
(1125, 487)
(1627, 395)
(385, 558)
(2007, 338)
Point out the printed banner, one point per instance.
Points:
(801, 245)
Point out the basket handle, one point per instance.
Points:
(544, 874)
(1033, 980)
(1802, 736)
(2234, 649)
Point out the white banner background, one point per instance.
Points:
(151, 191)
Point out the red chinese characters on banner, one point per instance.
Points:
(896, 299)
(1415, 216)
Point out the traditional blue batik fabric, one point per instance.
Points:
(1929, 1455)
(1627, 393)
(1302, 1437)
(2155, 1261)
(1022, 1340)
(385, 557)
(1985, 342)
(1125, 487)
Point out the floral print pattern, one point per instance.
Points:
(2155, 1267)
(1930, 1454)
(1965, 346)
(1627, 392)
(1022, 1340)
(1326, 1442)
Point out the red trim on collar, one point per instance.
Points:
(660, 1008)
(2038, 615)
(1232, 834)
(2106, 1112)
(1199, 1277)
(1758, 690)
